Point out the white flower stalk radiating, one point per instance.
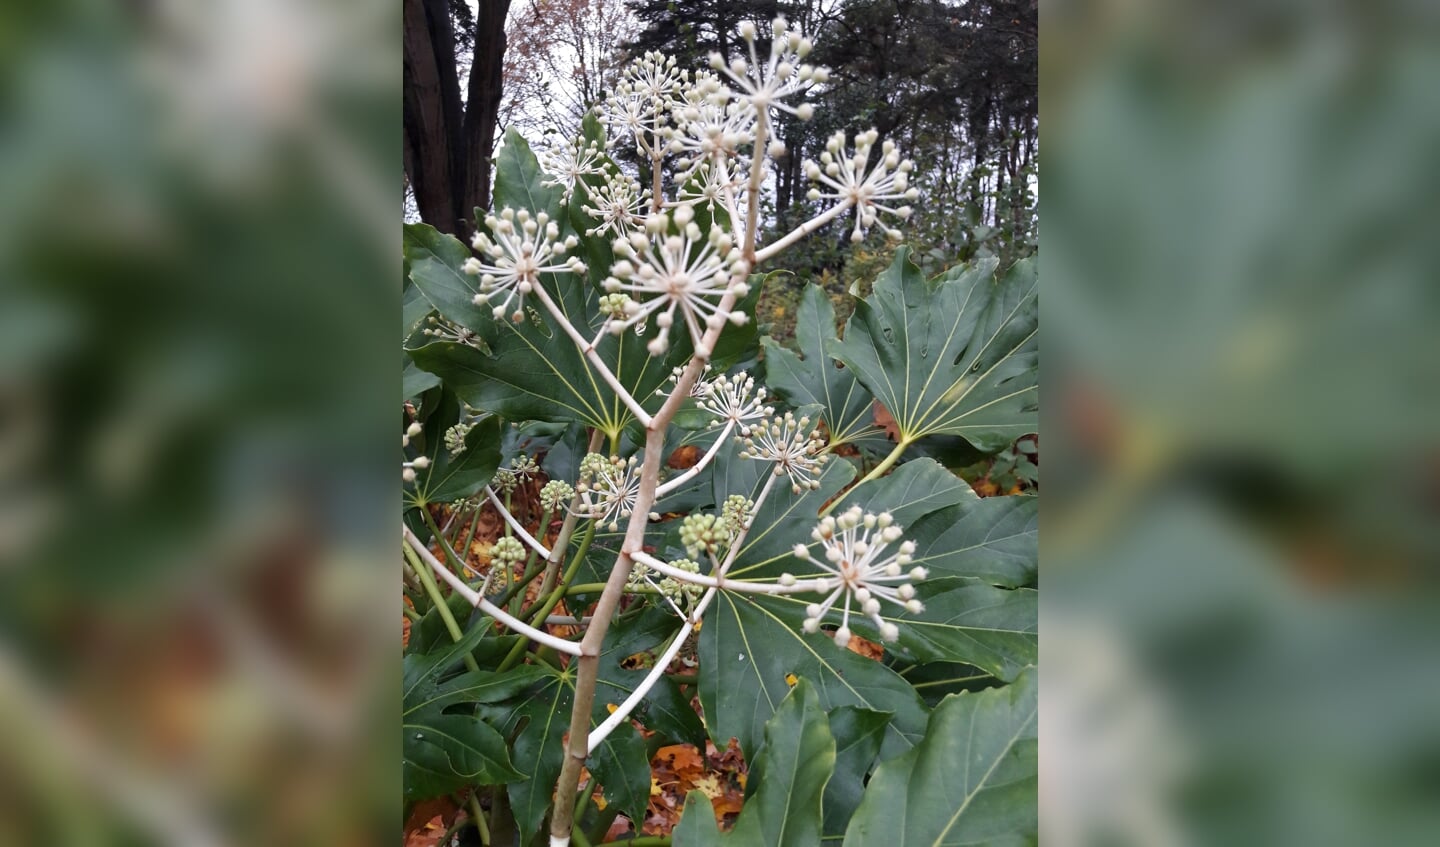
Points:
(856, 551)
(445, 330)
(608, 489)
(640, 105)
(729, 398)
(709, 126)
(708, 184)
(870, 190)
(619, 204)
(762, 85)
(566, 164)
(796, 450)
(677, 275)
(522, 249)
(419, 463)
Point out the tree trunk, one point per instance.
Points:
(448, 141)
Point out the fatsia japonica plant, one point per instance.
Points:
(661, 523)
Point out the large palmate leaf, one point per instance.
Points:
(971, 781)
(846, 407)
(788, 774)
(914, 489)
(444, 753)
(641, 637)
(994, 539)
(963, 621)
(748, 653)
(620, 763)
(858, 734)
(455, 476)
(441, 753)
(956, 355)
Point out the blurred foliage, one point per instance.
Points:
(1241, 537)
(197, 301)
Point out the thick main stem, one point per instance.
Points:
(588, 665)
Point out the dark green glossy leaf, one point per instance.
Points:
(665, 709)
(444, 753)
(994, 539)
(622, 765)
(955, 355)
(747, 651)
(916, 488)
(788, 776)
(971, 781)
(858, 734)
(846, 404)
(455, 477)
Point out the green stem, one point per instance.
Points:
(519, 597)
(515, 589)
(479, 815)
(576, 834)
(875, 473)
(597, 587)
(684, 678)
(410, 613)
(428, 579)
(505, 570)
(474, 525)
(544, 609)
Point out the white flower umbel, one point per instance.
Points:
(641, 103)
(796, 450)
(608, 489)
(619, 204)
(709, 125)
(677, 273)
(711, 185)
(730, 399)
(851, 180)
(567, 164)
(522, 249)
(857, 552)
(762, 85)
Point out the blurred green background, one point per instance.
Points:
(198, 297)
(199, 267)
(1241, 423)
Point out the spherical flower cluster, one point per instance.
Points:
(710, 127)
(507, 551)
(455, 437)
(796, 450)
(729, 399)
(419, 463)
(566, 164)
(608, 488)
(678, 272)
(708, 183)
(855, 546)
(619, 205)
(521, 249)
(737, 513)
(848, 181)
(614, 306)
(555, 493)
(702, 534)
(643, 99)
(675, 591)
(522, 467)
(761, 85)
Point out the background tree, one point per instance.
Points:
(562, 56)
(449, 139)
